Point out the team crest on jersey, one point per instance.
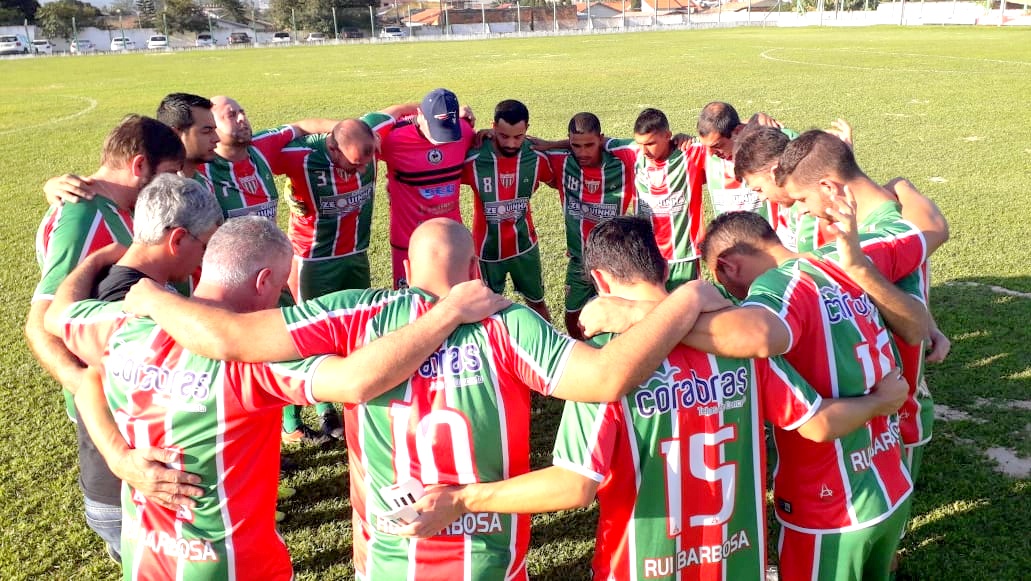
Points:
(592, 186)
(435, 156)
(656, 177)
(250, 184)
(507, 179)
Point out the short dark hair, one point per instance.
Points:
(649, 121)
(736, 233)
(757, 148)
(138, 135)
(175, 109)
(625, 246)
(585, 123)
(512, 112)
(816, 154)
(718, 117)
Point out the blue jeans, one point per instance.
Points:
(106, 521)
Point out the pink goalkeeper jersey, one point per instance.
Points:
(423, 179)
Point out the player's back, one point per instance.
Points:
(682, 465)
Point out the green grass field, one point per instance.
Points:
(946, 107)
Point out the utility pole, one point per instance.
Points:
(336, 32)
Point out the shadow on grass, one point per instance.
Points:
(969, 520)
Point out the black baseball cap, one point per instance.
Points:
(440, 109)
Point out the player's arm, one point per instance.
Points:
(940, 344)
(313, 126)
(545, 145)
(401, 110)
(922, 212)
(606, 374)
(838, 417)
(78, 284)
(68, 188)
(906, 315)
(384, 363)
(143, 469)
(546, 490)
(50, 351)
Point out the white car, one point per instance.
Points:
(281, 38)
(393, 32)
(205, 39)
(315, 37)
(82, 47)
(158, 41)
(122, 43)
(42, 46)
(14, 44)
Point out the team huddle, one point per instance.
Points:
(188, 330)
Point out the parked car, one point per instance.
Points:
(281, 38)
(122, 43)
(42, 46)
(205, 39)
(350, 32)
(158, 41)
(239, 38)
(14, 44)
(82, 47)
(393, 32)
(317, 37)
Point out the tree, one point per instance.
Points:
(184, 15)
(317, 15)
(147, 12)
(55, 18)
(235, 9)
(17, 11)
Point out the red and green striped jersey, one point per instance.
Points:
(423, 179)
(502, 222)
(840, 346)
(590, 195)
(916, 416)
(808, 232)
(669, 193)
(248, 186)
(223, 417)
(330, 209)
(463, 417)
(71, 232)
(681, 463)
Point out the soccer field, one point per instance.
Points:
(946, 107)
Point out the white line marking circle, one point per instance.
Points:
(92, 104)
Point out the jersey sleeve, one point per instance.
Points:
(86, 327)
(64, 240)
(469, 171)
(587, 437)
(786, 297)
(265, 385)
(788, 400)
(896, 255)
(380, 123)
(545, 173)
(536, 353)
(335, 323)
(625, 150)
(271, 144)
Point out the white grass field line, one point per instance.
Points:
(995, 289)
(92, 104)
(767, 54)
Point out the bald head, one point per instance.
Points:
(440, 255)
(234, 129)
(351, 145)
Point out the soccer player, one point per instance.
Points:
(503, 174)
(424, 170)
(678, 464)
(222, 417)
(669, 192)
(190, 118)
(463, 417)
(330, 193)
(718, 128)
(595, 181)
(138, 149)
